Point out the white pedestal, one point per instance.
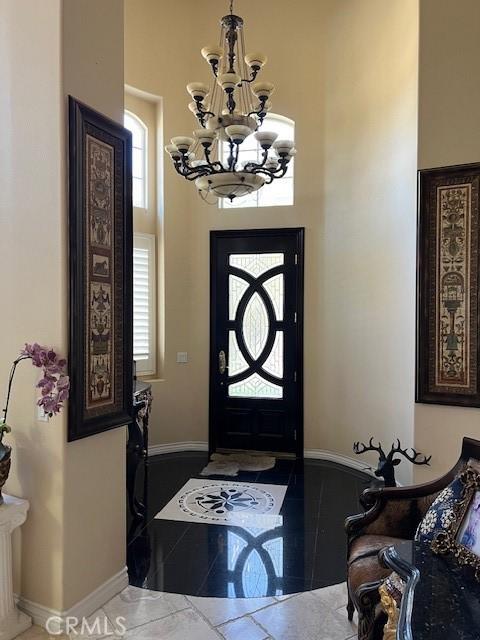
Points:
(13, 513)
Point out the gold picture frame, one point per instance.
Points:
(451, 541)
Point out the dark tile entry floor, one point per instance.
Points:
(307, 552)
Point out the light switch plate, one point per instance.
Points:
(41, 415)
(182, 357)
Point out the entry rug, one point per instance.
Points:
(230, 464)
(244, 504)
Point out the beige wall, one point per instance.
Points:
(350, 84)
(32, 283)
(367, 318)
(449, 106)
(94, 512)
(76, 491)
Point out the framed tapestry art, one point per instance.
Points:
(101, 307)
(447, 288)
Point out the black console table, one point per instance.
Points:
(441, 600)
(137, 445)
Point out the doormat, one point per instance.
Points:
(225, 502)
(231, 463)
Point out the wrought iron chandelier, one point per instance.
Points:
(229, 111)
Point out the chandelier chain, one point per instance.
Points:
(231, 7)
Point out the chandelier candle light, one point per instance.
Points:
(229, 111)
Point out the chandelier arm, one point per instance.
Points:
(254, 70)
(261, 109)
(279, 173)
(265, 172)
(185, 169)
(273, 175)
(261, 117)
(192, 173)
(258, 165)
(269, 179)
(202, 113)
(205, 112)
(201, 119)
(253, 75)
(216, 166)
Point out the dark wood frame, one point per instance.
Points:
(81, 118)
(424, 359)
(245, 233)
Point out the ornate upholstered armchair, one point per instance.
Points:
(392, 515)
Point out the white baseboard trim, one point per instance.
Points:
(315, 454)
(84, 608)
(176, 447)
(339, 458)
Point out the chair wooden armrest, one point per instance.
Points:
(396, 511)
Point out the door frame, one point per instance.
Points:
(299, 234)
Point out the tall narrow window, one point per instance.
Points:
(281, 191)
(144, 333)
(139, 159)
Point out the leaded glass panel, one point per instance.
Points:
(255, 326)
(255, 387)
(275, 289)
(236, 288)
(274, 363)
(236, 362)
(256, 263)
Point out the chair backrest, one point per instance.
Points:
(470, 450)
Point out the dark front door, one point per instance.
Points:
(256, 391)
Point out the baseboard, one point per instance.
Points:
(176, 447)
(339, 458)
(84, 608)
(315, 454)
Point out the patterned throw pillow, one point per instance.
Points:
(441, 513)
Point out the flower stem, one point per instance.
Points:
(9, 388)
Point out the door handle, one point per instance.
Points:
(222, 363)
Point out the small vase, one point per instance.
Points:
(5, 470)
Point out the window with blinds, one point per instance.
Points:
(144, 347)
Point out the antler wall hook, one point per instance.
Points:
(387, 462)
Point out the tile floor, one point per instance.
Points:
(305, 551)
(189, 581)
(151, 615)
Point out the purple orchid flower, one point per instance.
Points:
(55, 384)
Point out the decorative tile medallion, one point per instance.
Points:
(224, 502)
